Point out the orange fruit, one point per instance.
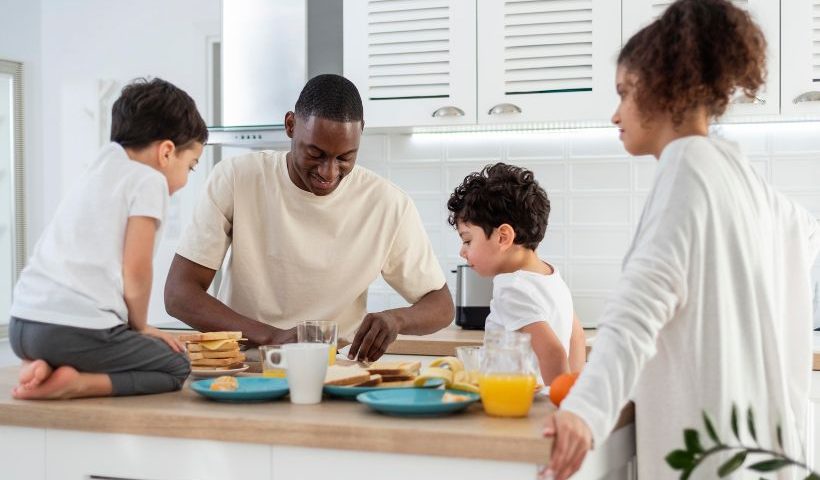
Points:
(559, 388)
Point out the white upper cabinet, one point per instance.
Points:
(800, 94)
(413, 61)
(639, 13)
(547, 60)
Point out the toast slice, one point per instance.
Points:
(218, 362)
(213, 346)
(408, 369)
(374, 380)
(400, 384)
(224, 367)
(202, 355)
(206, 336)
(346, 376)
(397, 378)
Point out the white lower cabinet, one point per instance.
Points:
(813, 422)
(22, 453)
(72, 455)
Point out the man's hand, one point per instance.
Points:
(376, 333)
(572, 441)
(171, 340)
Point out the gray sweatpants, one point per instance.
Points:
(137, 364)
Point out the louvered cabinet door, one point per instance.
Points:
(547, 60)
(800, 37)
(413, 61)
(639, 13)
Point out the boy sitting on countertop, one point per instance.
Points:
(79, 316)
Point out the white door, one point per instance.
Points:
(548, 60)
(413, 61)
(800, 37)
(639, 13)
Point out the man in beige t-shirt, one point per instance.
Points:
(308, 232)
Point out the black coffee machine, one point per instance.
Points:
(473, 295)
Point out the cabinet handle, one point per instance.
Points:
(448, 111)
(106, 477)
(744, 99)
(807, 97)
(504, 108)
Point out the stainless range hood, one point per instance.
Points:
(270, 48)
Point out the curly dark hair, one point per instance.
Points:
(151, 110)
(332, 97)
(500, 194)
(698, 53)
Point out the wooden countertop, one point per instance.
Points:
(338, 424)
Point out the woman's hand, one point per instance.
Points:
(572, 441)
(171, 340)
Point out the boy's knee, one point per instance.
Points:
(180, 370)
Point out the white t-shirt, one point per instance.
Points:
(296, 256)
(521, 298)
(713, 307)
(74, 276)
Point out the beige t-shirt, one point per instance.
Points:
(296, 256)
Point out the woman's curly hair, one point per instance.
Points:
(500, 194)
(698, 53)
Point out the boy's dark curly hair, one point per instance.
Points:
(500, 194)
(698, 53)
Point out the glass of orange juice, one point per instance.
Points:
(507, 382)
(268, 370)
(317, 331)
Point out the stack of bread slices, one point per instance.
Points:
(214, 350)
(379, 374)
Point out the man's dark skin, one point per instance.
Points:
(322, 153)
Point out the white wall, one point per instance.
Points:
(597, 191)
(89, 46)
(20, 42)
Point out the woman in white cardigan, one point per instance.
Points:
(713, 307)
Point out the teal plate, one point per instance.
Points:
(352, 392)
(415, 401)
(250, 389)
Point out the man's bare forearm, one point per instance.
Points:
(430, 314)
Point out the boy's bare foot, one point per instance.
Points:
(63, 383)
(33, 374)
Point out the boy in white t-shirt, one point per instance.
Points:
(501, 215)
(79, 314)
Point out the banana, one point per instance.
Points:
(464, 387)
(452, 363)
(434, 372)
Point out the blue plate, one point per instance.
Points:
(353, 392)
(415, 401)
(250, 389)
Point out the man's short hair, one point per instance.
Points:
(500, 194)
(332, 97)
(152, 110)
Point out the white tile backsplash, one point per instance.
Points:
(597, 191)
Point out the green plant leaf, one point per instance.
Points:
(709, 428)
(734, 422)
(769, 465)
(692, 441)
(732, 464)
(680, 460)
(813, 476)
(684, 475)
(750, 422)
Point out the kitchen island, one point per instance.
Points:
(183, 436)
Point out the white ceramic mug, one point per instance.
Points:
(306, 366)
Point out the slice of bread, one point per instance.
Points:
(374, 380)
(223, 367)
(218, 362)
(213, 346)
(397, 378)
(201, 355)
(402, 384)
(409, 369)
(206, 336)
(345, 376)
